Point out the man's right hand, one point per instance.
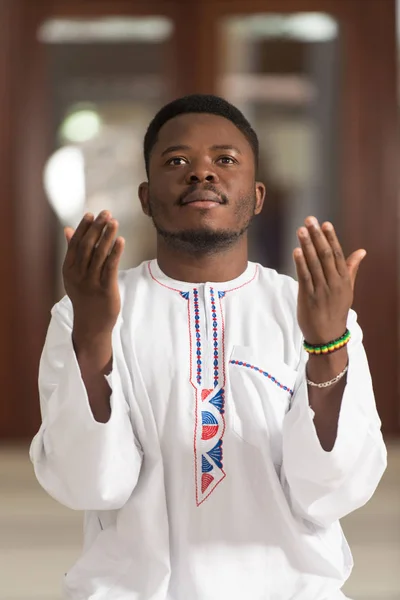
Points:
(90, 273)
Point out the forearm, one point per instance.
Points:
(83, 463)
(94, 356)
(326, 402)
(325, 485)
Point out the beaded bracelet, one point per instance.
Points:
(330, 346)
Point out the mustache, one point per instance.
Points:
(208, 187)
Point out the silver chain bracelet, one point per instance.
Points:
(331, 382)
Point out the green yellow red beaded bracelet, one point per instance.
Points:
(330, 347)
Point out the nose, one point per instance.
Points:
(200, 174)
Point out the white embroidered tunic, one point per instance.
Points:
(209, 481)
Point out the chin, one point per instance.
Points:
(202, 238)
(206, 221)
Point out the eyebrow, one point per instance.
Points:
(175, 149)
(180, 147)
(226, 147)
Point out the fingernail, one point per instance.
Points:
(312, 222)
(104, 214)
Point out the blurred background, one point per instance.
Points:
(79, 82)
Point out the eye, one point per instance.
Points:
(227, 160)
(176, 161)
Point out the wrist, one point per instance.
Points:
(329, 344)
(90, 330)
(322, 368)
(90, 322)
(93, 351)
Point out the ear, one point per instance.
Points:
(260, 197)
(143, 193)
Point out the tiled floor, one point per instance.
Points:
(40, 539)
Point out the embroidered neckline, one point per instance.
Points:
(220, 287)
(208, 385)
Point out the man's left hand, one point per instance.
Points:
(326, 282)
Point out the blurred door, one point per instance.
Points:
(80, 81)
(316, 77)
(107, 76)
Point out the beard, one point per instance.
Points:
(201, 241)
(205, 239)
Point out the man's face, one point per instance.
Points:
(202, 192)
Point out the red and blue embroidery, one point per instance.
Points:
(198, 335)
(216, 343)
(268, 375)
(210, 425)
(209, 444)
(207, 377)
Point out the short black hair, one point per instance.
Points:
(198, 103)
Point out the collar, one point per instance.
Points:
(248, 275)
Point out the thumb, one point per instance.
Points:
(353, 263)
(68, 232)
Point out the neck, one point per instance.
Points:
(221, 266)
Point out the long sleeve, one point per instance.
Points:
(326, 486)
(83, 464)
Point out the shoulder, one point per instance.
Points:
(277, 285)
(130, 279)
(276, 303)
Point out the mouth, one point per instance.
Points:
(203, 204)
(202, 199)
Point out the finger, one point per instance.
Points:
(338, 255)
(303, 273)
(82, 228)
(110, 268)
(90, 240)
(103, 249)
(74, 237)
(323, 249)
(353, 264)
(68, 232)
(311, 257)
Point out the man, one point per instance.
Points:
(212, 418)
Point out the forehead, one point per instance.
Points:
(201, 130)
